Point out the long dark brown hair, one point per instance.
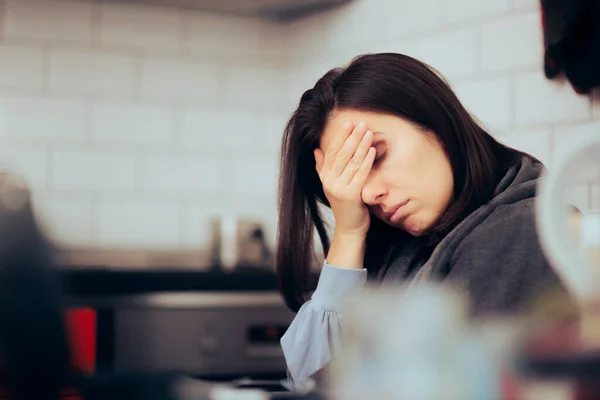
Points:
(385, 83)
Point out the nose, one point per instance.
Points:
(373, 191)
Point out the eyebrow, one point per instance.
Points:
(377, 134)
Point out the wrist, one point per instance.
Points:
(347, 250)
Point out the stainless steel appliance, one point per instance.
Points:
(201, 334)
(210, 324)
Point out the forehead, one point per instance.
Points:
(376, 122)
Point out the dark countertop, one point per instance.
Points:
(99, 281)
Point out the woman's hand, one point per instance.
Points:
(343, 171)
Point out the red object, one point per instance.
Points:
(81, 326)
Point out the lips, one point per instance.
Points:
(393, 210)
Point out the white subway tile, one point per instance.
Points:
(254, 176)
(21, 67)
(42, 118)
(132, 124)
(539, 100)
(402, 17)
(181, 174)
(565, 138)
(66, 220)
(452, 53)
(344, 26)
(173, 78)
(221, 129)
(307, 39)
(96, 73)
(93, 171)
(273, 125)
(49, 20)
(301, 78)
(29, 162)
(526, 4)
(139, 25)
(512, 43)
(218, 34)
(463, 10)
(255, 86)
(488, 101)
(407, 47)
(138, 224)
(537, 143)
(273, 44)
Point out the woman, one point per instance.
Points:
(418, 190)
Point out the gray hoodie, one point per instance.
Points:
(494, 254)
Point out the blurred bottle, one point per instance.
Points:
(413, 344)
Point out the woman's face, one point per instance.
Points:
(411, 182)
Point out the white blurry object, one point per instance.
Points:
(575, 261)
(414, 344)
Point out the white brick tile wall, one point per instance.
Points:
(132, 124)
(272, 126)
(66, 220)
(255, 86)
(140, 26)
(452, 53)
(181, 175)
(536, 143)
(21, 67)
(182, 112)
(488, 100)
(222, 129)
(180, 79)
(463, 10)
(565, 136)
(24, 118)
(91, 73)
(503, 47)
(93, 171)
(139, 224)
(256, 176)
(46, 20)
(526, 4)
(538, 101)
(30, 162)
(223, 36)
(407, 17)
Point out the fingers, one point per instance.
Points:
(360, 177)
(336, 145)
(348, 149)
(357, 158)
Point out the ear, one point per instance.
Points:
(319, 157)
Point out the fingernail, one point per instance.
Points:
(361, 125)
(347, 125)
(368, 134)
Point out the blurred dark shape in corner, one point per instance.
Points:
(34, 351)
(571, 30)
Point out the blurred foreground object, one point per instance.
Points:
(426, 351)
(571, 30)
(34, 354)
(567, 347)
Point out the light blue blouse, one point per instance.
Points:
(315, 335)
